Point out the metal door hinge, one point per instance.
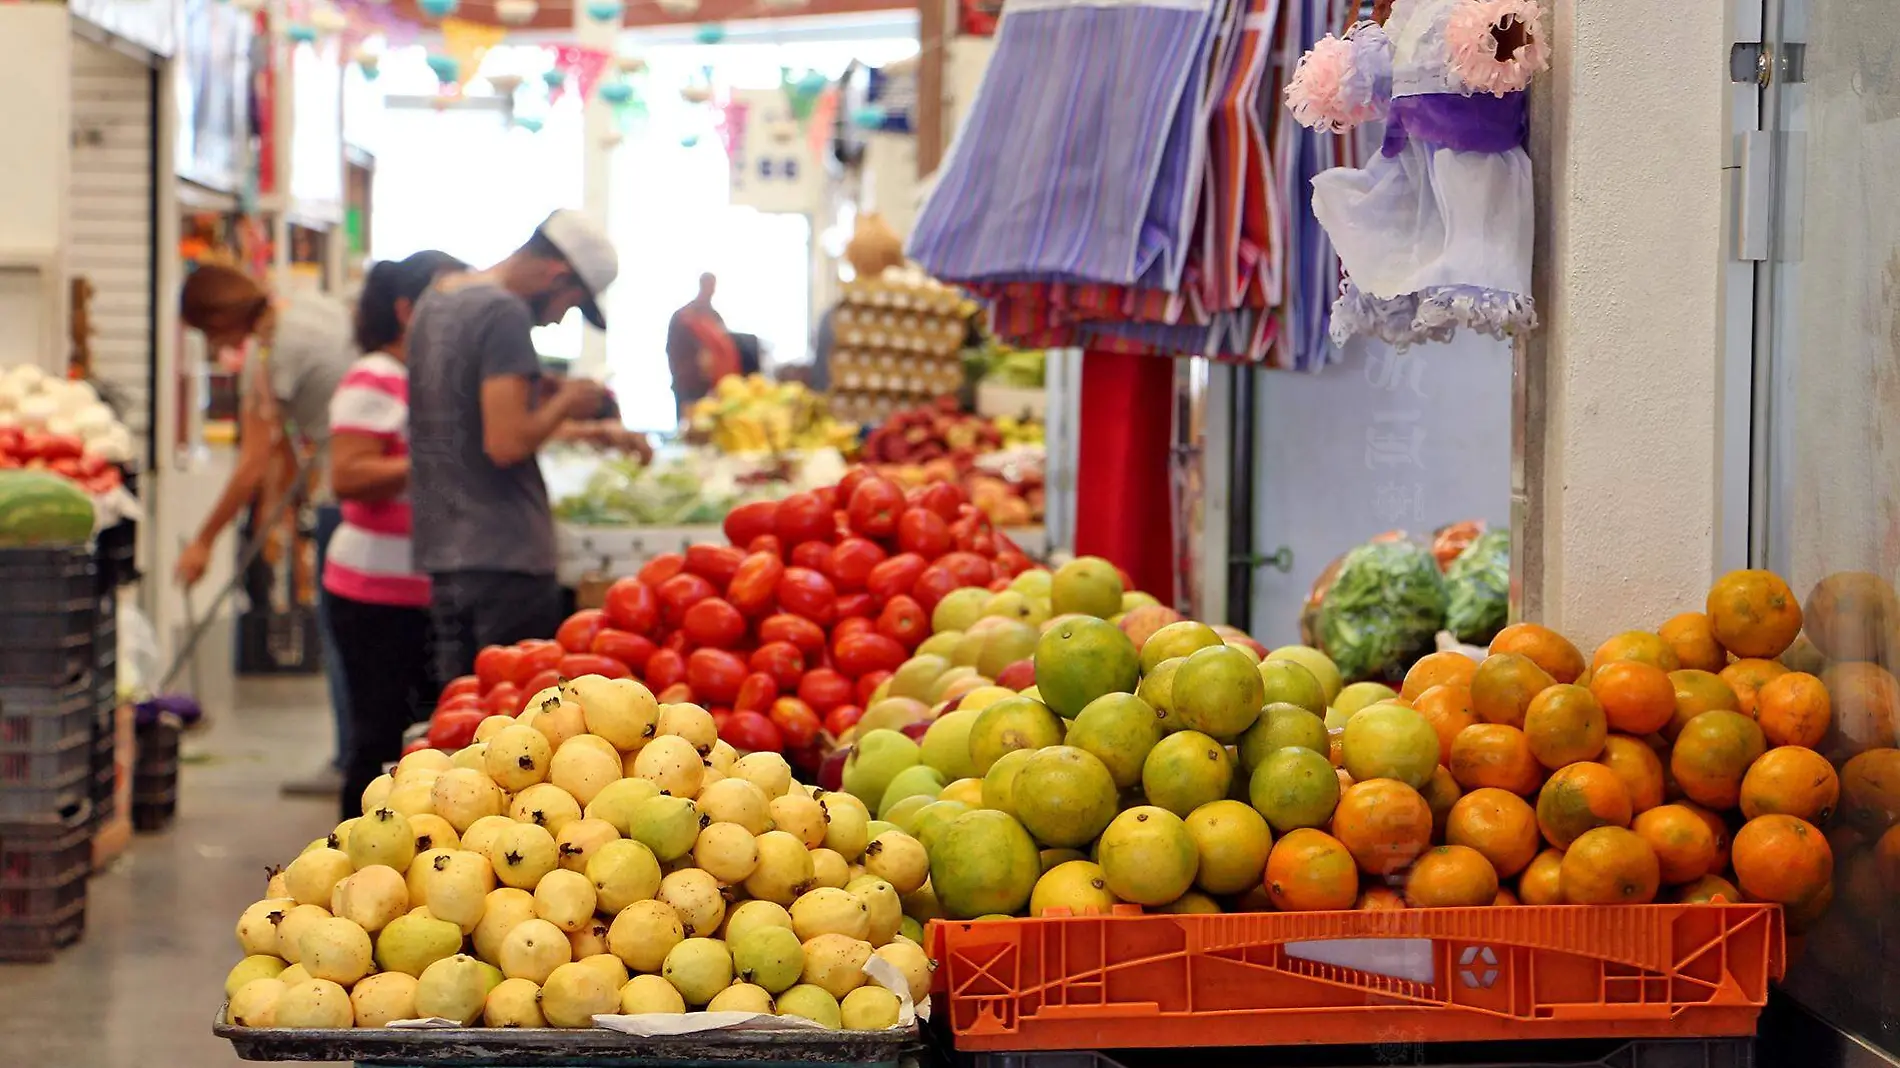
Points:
(1755, 61)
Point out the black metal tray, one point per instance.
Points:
(495, 1047)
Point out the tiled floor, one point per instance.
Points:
(141, 988)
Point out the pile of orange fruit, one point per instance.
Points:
(1724, 756)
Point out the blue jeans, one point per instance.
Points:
(329, 517)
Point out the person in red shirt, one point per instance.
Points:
(699, 351)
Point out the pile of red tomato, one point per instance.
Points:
(783, 634)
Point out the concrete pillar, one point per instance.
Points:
(597, 160)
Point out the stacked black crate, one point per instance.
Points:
(51, 664)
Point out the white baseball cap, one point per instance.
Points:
(583, 243)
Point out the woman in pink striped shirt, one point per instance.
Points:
(379, 603)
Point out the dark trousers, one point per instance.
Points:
(329, 517)
(472, 609)
(386, 665)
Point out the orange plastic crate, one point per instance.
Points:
(1414, 975)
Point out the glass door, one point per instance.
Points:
(1826, 500)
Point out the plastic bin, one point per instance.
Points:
(1640, 1053)
(50, 619)
(1430, 975)
(155, 774)
(43, 887)
(46, 751)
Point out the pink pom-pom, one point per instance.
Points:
(1472, 45)
(1324, 92)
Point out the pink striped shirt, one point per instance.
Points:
(370, 557)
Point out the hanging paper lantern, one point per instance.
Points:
(555, 79)
(300, 33)
(504, 84)
(615, 92)
(328, 20)
(248, 5)
(696, 94)
(630, 64)
(438, 9)
(869, 117)
(679, 8)
(369, 60)
(604, 10)
(528, 123)
(516, 12)
(447, 70)
(710, 33)
(612, 139)
(689, 140)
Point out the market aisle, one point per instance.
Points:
(141, 988)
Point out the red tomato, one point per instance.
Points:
(754, 587)
(943, 498)
(895, 576)
(756, 693)
(504, 699)
(932, 585)
(999, 584)
(720, 716)
(681, 592)
(633, 650)
(807, 593)
(457, 687)
(849, 483)
(874, 507)
(577, 632)
(904, 621)
(677, 642)
(537, 655)
(676, 694)
(713, 623)
(783, 661)
(751, 732)
(849, 626)
(925, 533)
(856, 604)
(494, 664)
(860, 654)
(824, 689)
(632, 607)
(54, 447)
(574, 665)
(416, 746)
(542, 681)
(715, 675)
(461, 702)
(714, 563)
(804, 517)
(808, 637)
(661, 568)
(766, 543)
(828, 496)
(851, 562)
(1011, 563)
(812, 555)
(10, 439)
(843, 718)
(665, 668)
(868, 684)
(969, 569)
(796, 721)
(454, 729)
(749, 521)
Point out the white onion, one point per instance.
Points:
(36, 410)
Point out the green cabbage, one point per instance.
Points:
(1480, 584)
(1383, 611)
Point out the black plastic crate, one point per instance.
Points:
(46, 751)
(154, 811)
(40, 581)
(38, 941)
(43, 887)
(116, 553)
(279, 643)
(155, 774)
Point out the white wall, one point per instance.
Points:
(35, 56)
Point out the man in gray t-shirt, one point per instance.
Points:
(477, 416)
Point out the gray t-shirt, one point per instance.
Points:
(471, 515)
(311, 349)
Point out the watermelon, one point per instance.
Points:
(40, 508)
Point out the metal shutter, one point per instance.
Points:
(110, 227)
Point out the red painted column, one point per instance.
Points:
(1122, 500)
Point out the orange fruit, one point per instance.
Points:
(1724, 840)
(1505, 897)
(1497, 823)
(1379, 899)
(1886, 860)
(1541, 883)
(1692, 639)
(1437, 669)
(1791, 780)
(1447, 708)
(1493, 754)
(1866, 701)
(1564, 725)
(1794, 709)
(1503, 688)
(1870, 788)
(1637, 698)
(1850, 615)
(1441, 792)
(1451, 876)
(1784, 859)
(1709, 888)
(1637, 645)
(1753, 613)
(1697, 692)
(1335, 746)
(1311, 871)
(1638, 766)
(1384, 824)
(1610, 866)
(1801, 916)
(1544, 647)
(1747, 677)
(1684, 845)
(1712, 754)
(1578, 798)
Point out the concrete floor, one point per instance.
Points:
(141, 988)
